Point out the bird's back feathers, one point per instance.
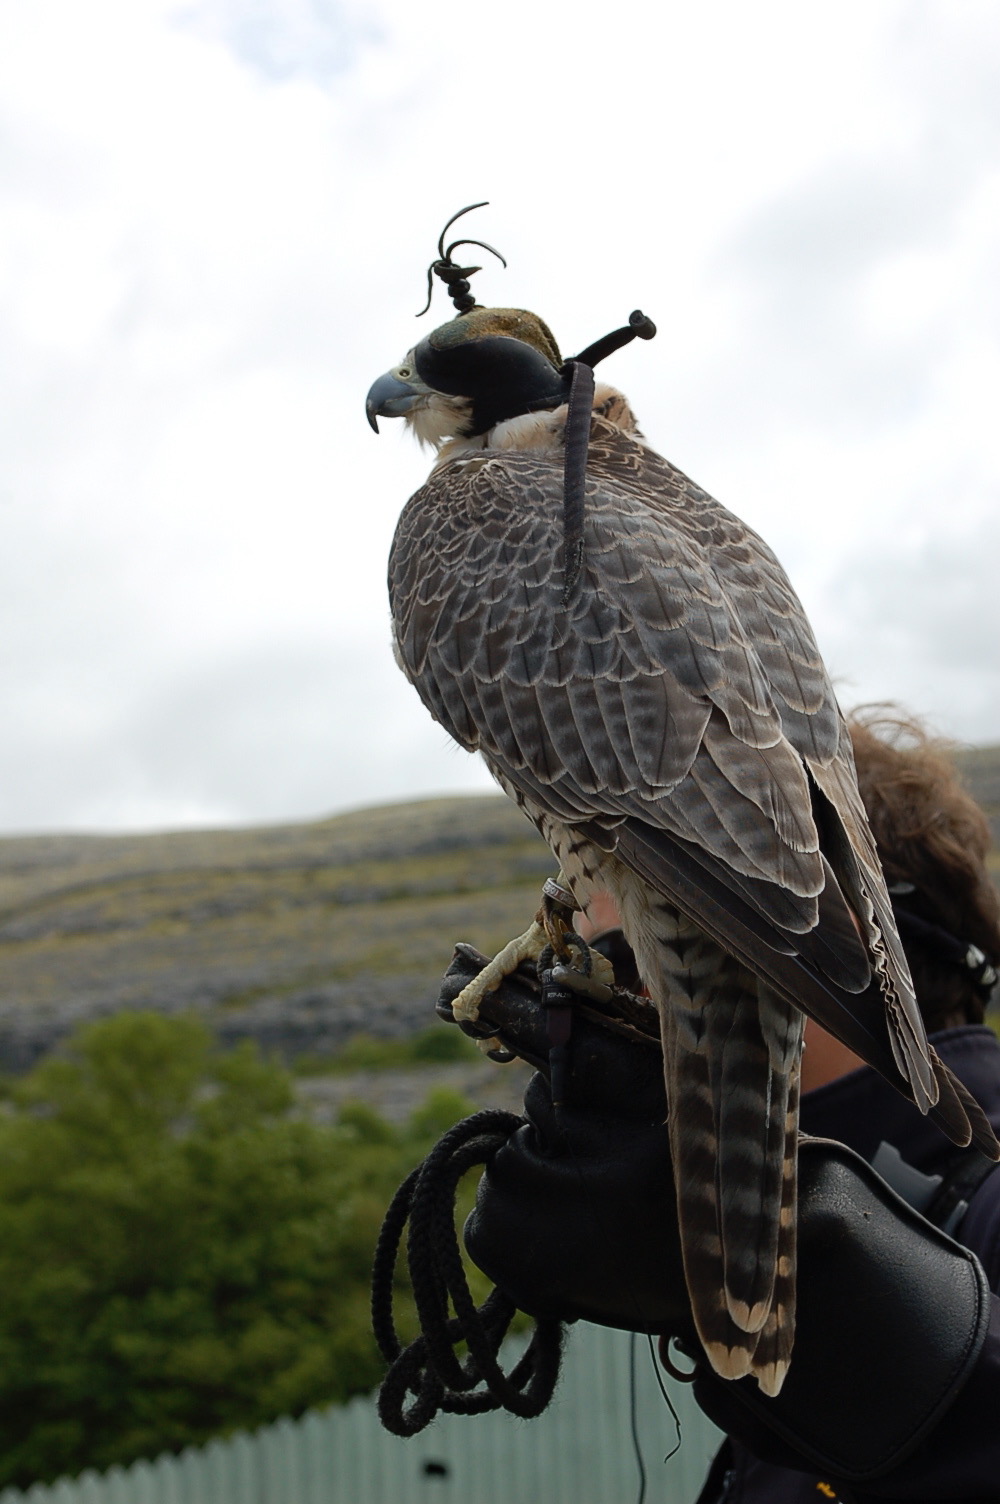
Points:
(675, 736)
(683, 690)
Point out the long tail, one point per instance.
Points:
(774, 1347)
(731, 1060)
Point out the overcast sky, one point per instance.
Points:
(216, 222)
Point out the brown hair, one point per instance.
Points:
(930, 833)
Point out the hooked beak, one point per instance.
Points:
(390, 398)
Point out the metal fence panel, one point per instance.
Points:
(579, 1452)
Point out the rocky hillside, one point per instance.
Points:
(298, 935)
(981, 774)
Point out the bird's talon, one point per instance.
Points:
(584, 986)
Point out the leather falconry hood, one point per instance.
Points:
(506, 362)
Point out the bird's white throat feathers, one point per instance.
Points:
(541, 433)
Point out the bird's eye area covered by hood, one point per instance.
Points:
(501, 376)
(504, 361)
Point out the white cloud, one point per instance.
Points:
(219, 214)
(929, 615)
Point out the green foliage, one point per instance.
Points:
(440, 1044)
(437, 1046)
(180, 1255)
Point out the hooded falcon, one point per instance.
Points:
(634, 667)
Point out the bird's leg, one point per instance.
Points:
(577, 965)
(551, 926)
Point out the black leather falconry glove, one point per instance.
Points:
(575, 1218)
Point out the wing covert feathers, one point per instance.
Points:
(854, 855)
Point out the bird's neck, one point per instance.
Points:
(540, 433)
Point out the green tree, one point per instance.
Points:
(180, 1255)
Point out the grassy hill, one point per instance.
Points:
(300, 935)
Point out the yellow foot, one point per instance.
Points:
(527, 947)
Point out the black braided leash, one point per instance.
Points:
(427, 1376)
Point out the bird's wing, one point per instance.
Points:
(681, 696)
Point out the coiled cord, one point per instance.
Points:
(427, 1376)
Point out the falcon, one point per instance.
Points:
(635, 669)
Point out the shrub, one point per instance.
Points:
(180, 1255)
(436, 1045)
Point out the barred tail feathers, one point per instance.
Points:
(773, 1352)
(694, 1144)
(731, 1068)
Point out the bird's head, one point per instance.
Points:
(491, 365)
(479, 369)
